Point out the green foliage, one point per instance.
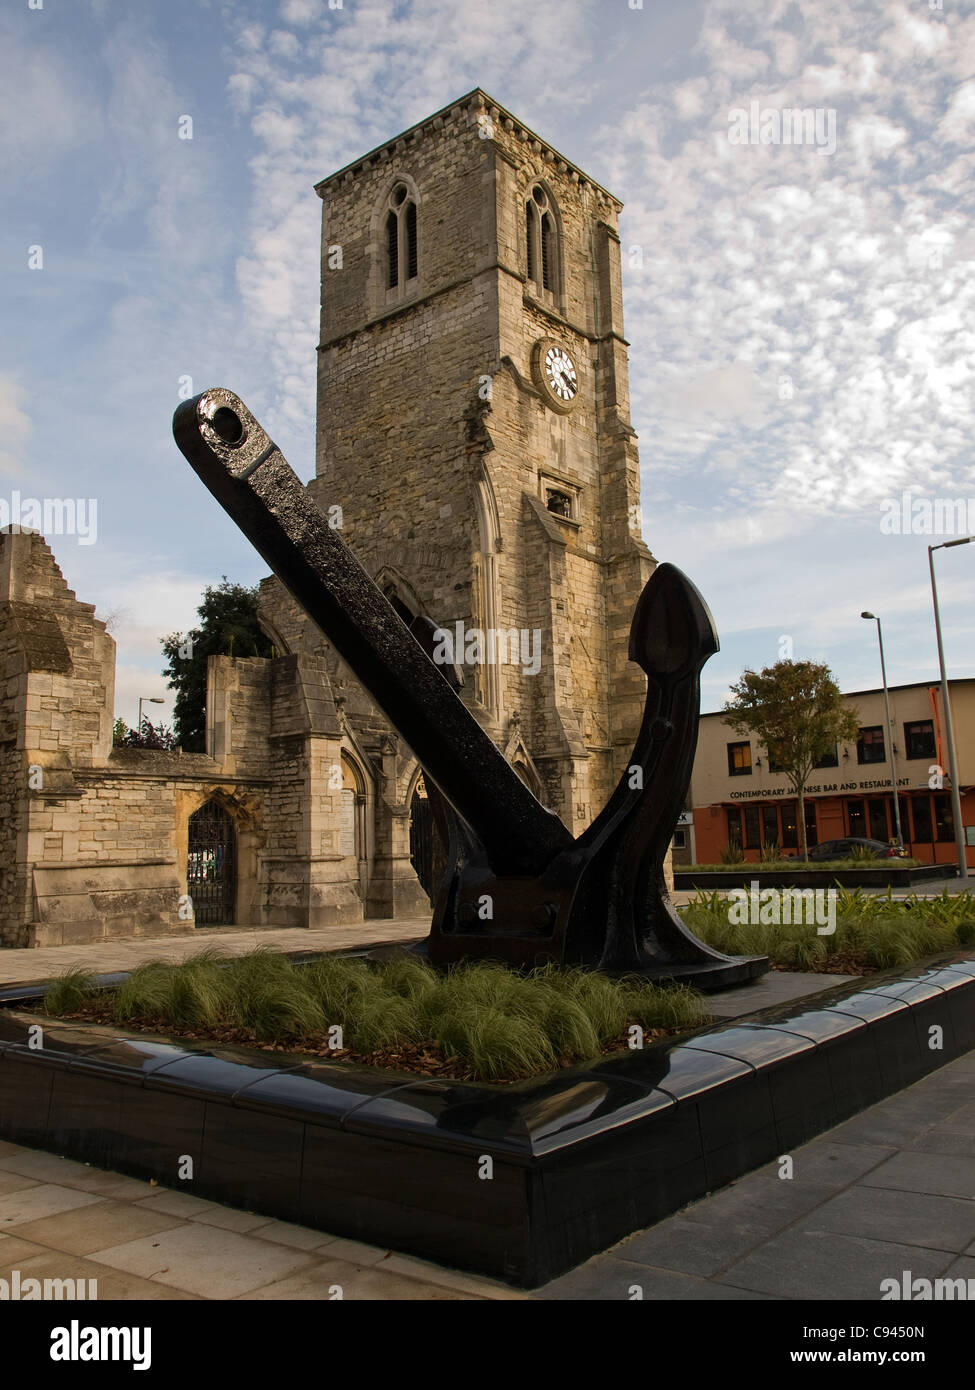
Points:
(884, 931)
(228, 627)
(69, 992)
(797, 710)
(499, 1024)
(731, 854)
(796, 866)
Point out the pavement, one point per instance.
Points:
(19, 966)
(886, 1192)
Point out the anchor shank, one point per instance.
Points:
(252, 480)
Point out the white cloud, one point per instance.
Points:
(15, 426)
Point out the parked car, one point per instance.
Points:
(842, 849)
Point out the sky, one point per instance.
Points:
(800, 311)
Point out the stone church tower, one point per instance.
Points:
(473, 428)
(474, 442)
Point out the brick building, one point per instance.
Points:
(737, 797)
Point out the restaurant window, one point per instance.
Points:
(919, 739)
(751, 827)
(812, 833)
(857, 820)
(905, 818)
(944, 823)
(680, 839)
(770, 825)
(921, 816)
(829, 759)
(734, 826)
(878, 819)
(790, 827)
(739, 760)
(870, 745)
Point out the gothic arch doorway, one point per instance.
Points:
(211, 866)
(421, 838)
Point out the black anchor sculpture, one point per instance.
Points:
(516, 887)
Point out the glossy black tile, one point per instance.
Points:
(316, 1094)
(202, 1073)
(85, 1116)
(529, 1120)
(802, 1099)
(691, 1072)
(25, 1096)
(157, 1132)
(251, 1159)
(426, 1200)
(757, 1045)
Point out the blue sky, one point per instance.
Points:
(802, 321)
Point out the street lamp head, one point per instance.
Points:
(868, 615)
(155, 700)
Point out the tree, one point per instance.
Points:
(228, 627)
(797, 710)
(148, 736)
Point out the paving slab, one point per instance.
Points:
(916, 1218)
(944, 1174)
(89, 1228)
(824, 1265)
(204, 1260)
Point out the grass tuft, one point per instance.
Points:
(69, 992)
(496, 1023)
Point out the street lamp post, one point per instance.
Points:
(946, 706)
(148, 700)
(890, 731)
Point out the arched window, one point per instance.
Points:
(541, 241)
(401, 240)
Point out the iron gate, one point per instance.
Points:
(421, 842)
(211, 866)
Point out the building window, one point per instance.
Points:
(739, 760)
(944, 822)
(829, 759)
(858, 823)
(770, 825)
(919, 739)
(870, 745)
(790, 828)
(921, 820)
(773, 764)
(734, 826)
(680, 839)
(812, 832)
(879, 829)
(752, 838)
(541, 241)
(401, 242)
(558, 502)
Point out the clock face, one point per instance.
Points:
(554, 374)
(560, 374)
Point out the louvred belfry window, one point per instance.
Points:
(541, 241)
(402, 252)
